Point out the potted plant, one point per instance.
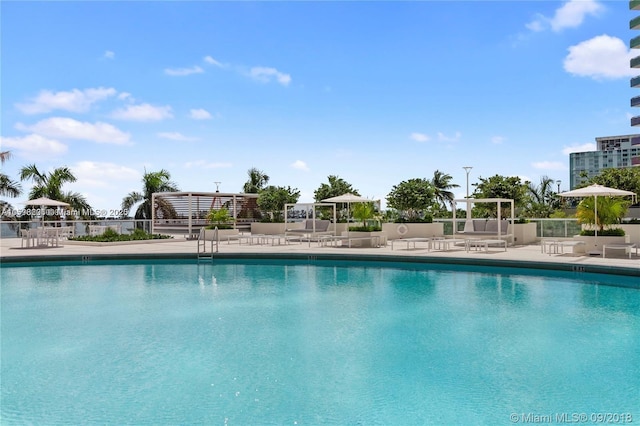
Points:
(610, 211)
(220, 218)
(370, 227)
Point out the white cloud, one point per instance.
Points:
(176, 136)
(101, 175)
(126, 96)
(180, 72)
(300, 165)
(143, 112)
(266, 75)
(549, 165)
(74, 101)
(570, 15)
(443, 138)
(109, 54)
(600, 57)
(34, 147)
(68, 128)
(419, 137)
(579, 148)
(202, 164)
(200, 114)
(498, 140)
(211, 61)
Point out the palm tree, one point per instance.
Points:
(152, 182)
(8, 188)
(541, 198)
(442, 185)
(257, 181)
(4, 156)
(610, 211)
(50, 185)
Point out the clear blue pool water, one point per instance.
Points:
(269, 343)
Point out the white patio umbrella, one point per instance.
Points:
(596, 191)
(45, 202)
(347, 198)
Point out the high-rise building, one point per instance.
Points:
(612, 152)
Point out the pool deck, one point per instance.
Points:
(516, 256)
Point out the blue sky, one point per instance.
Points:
(373, 92)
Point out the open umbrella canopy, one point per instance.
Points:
(347, 198)
(596, 190)
(44, 201)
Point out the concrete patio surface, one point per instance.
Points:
(523, 256)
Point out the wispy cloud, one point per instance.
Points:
(176, 136)
(73, 101)
(585, 147)
(570, 15)
(549, 165)
(602, 57)
(300, 165)
(181, 72)
(267, 74)
(419, 137)
(68, 128)
(34, 147)
(108, 54)
(444, 138)
(143, 112)
(209, 60)
(498, 140)
(200, 114)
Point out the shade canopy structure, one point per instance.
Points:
(498, 201)
(47, 202)
(596, 191)
(347, 199)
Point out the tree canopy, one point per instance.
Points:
(413, 197)
(510, 187)
(627, 179)
(257, 181)
(152, 182)
(273, 198)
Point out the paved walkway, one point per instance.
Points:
(528, 255)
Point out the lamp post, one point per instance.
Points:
(468, 169)
(558, 182)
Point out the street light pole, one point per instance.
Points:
(468, 169)
(558, 182)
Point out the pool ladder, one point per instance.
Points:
(202, 244)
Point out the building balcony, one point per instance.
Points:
(635, 62)
(635, 140)
(635, 121)
(634, 43)
(635, 101)
(634, 5)
(635, 81)
(634, 24)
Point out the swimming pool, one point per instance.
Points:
(324, 343)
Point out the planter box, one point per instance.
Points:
(524, 233)
(632, 231)
(595, 245)
(223, 234)
(364, 242)
(412, 230)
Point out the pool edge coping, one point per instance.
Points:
(507, 263)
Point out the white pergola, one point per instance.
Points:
(498, 201)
